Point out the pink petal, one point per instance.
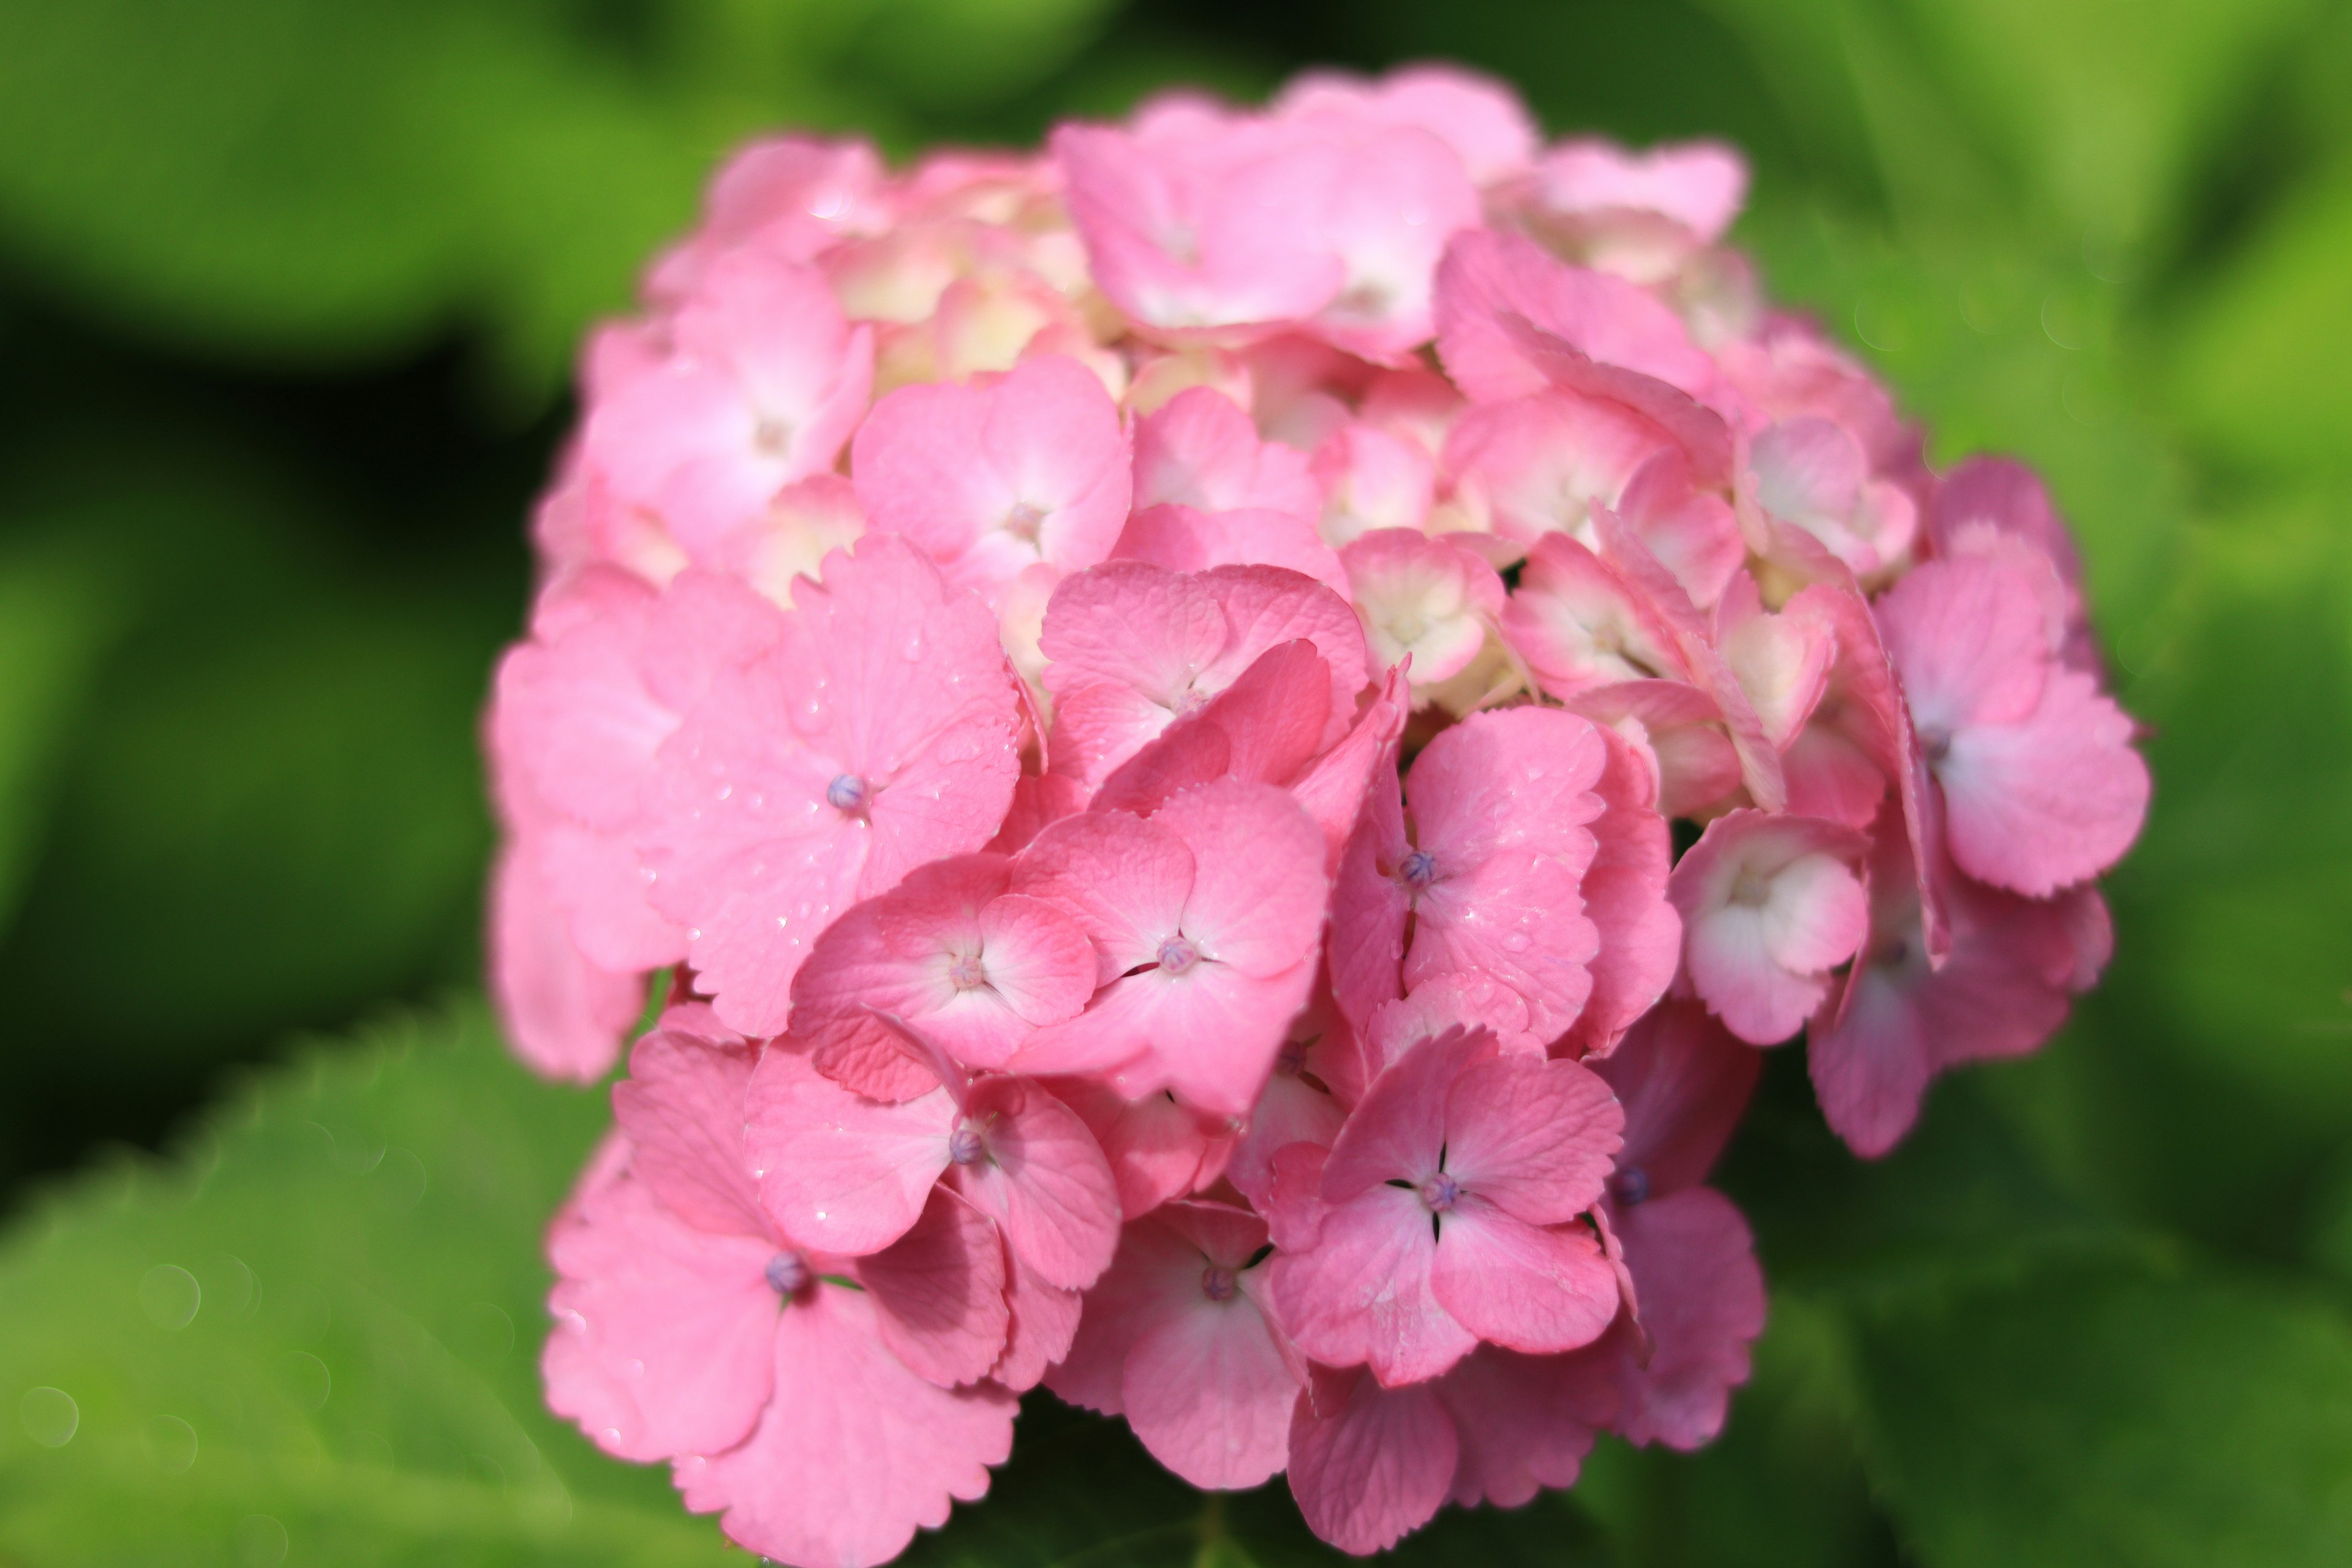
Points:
(1210, 1392)
(2049, 801)
(1122, 878)
(1044, 1322)
(1702, 1306)
(1398, 1131)
(1684, 1082)
(1525, 1423)
(989, 479)
(1199, 449)
(564, 1016)
(1363, 1293)
(1525, 1288)
(1488, 276)
(662, 1332)
(683, 1107)
(1258, 889)
(839, 1173)
(939, 1293)
(1155, 1147)
(1043, 1178)
(1334, 789)
(1185, 539)
(1624, 892)
(1375, 1467)
(1369, 903)
(854, 1452)
(1533, 1137)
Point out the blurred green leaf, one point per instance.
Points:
(316, 1330)
(58, 613)
(2087, 1416)
(2263, 374)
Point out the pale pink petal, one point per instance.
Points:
(663, 1333)
(2038, 804)
(1258, 889)
(1199, 449)
(1525, 1423)
(839, 1173)
(564, 1016)
(1156, 1147)
(1044, 1322)
(1209, 1392)
(854, 1452)
(683, 1106)
(1185, 539)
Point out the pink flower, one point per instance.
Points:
(1372, 479)
(993, 479)
(1132, 646)
(1482, 120)
(564, 1014)
(1196, 219)
(1699, 1295)
(1814, 474)
(1538, 463)
(761, 384)
(1199, 449)
(1423, 599)
(844, 1175)
(827, 1422)
(1447, 1213)
(1504, 808)
(1698, 185)
(1769, 906)
(1206, 919)
(2041, 787)
(821, 772)
(1178, 1337)
(950, 952)
(2014, 967)
(791, 197)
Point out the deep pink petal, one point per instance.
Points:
(1525, 1423)
(1375, 1468)
(1702, 1307)
(940, 1293)
(1536, 1138)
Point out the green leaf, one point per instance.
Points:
(314, 1334)
(57, 615)
(2263, 377)
(2088, 1416)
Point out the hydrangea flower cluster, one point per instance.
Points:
(1139, 695)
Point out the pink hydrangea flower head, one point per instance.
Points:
(1447, 1214)
(821, 772)
(1771, 905)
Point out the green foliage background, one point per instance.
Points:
(288, 293)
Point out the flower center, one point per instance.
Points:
(1177, 955)
(772, 436)
(1439, 1193)
(1752, 889)
(1023, 523)
(1935, 743)
(788, 1274)
(965, 1145)
(967, 972)
(847, 793)
(1630, 1186)
(1419, 869)
(1217, 1282)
